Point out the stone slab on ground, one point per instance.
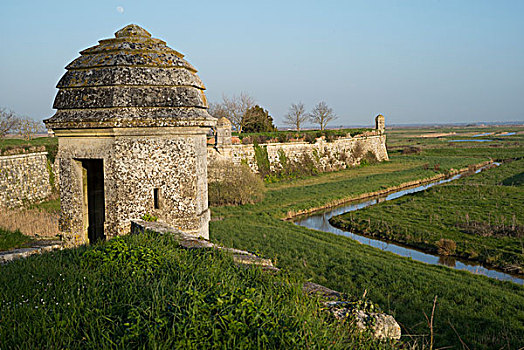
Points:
(141, 226)
(195, 244)
(244, 259)
(317, 289)
(240, 257)
(37, 247)
(382, 326)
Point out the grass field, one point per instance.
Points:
(116, 306)
(18, 145)
(32, 221)
(12, 239)
(35, 221)
(484, 313)
(144, 292)
(306, 135)
(443, 137)
(481, 217)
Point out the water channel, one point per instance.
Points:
(476, 140)
(320, 221)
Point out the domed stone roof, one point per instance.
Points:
(131, 80)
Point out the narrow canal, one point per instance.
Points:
(320, 221)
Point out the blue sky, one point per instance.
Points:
(413, 61)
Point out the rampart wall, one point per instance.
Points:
(327, 156)
(23, 178)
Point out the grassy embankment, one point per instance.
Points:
(485, 313)
(18, 145)
(137, 310)
(444, 137)
(12, 239)
(145, 292)
(305, 135)
(20, 226)
(479, 218)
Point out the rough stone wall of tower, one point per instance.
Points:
(134, 166)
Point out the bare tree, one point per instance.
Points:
(296, 116)
(29, 127)
(236, 107)
(9, 121)
(217, 110)
(322, 114)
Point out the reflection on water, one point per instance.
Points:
(447, 260)
(320, 222)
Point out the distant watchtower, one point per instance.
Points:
(223, 132)
(131, 123)
(380, 124)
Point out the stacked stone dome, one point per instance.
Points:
(132, 80)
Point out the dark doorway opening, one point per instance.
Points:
(93, 174)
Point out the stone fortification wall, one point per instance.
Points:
(26, 177)
(23, 178)
(327, 156)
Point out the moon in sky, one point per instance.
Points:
(120, 9)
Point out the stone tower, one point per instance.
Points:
(380, 123)
(131, 123)
(223, 133)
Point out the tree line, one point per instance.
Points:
(12, 123)
(241, 110)
(246, 116)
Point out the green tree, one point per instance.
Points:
(257, 119)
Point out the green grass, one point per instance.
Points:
(142, 292)
(50, 205)
(480, 213)
(145, 292)
(12, 239)
(308, 135)
(50, 144)
(486, 313)
(316, 191)
(413, 137)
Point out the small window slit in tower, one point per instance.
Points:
(156, 199)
